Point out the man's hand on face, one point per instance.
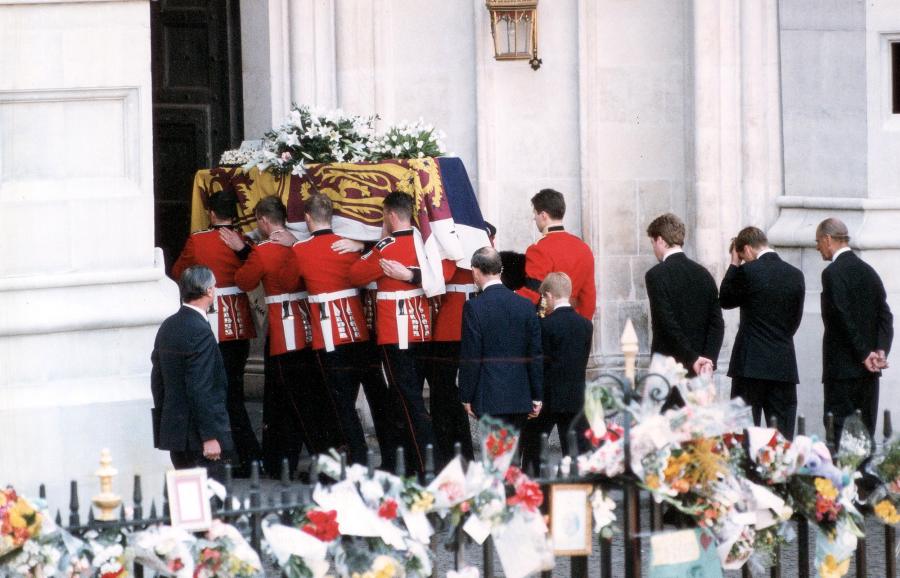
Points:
(232, 239)
(212, 450)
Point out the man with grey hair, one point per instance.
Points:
(500, 362)
(859, 328)
(188, 380)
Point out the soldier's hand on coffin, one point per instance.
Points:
(395, 270)
(342, 246)
(283, 238)
(232, 238)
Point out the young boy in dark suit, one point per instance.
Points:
(566, 340)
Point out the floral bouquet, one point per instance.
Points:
(885, 499)
(20, 521)
(498, 445)
(300, 553)
(312, 135)
(224, 553)
(604, 513)
(774, 460)
(408, 141)
(165, 550)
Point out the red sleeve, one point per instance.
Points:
(587, 301)
(250, 273)
(366, 269)
(185, 260)
(449, 268)
(537, 265)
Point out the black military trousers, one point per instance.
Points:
(404, 370)
(246, 446)
(343, 369)
(449, 419)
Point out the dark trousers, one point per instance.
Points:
(775, 399)
(544, 424)
(190, 459)
(384, 405)
(450, 421)
(246, 446)
(297, 410)
(404, 369)
(845, 396)
(343, 369)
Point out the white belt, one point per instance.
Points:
(333, 296)
(286, 297)
(398, 295)
(223, 291)
(462, 288)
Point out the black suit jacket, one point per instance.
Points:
(566, 341)
(189, 384)
(684, 311)
(770, 294)
(500, 365)
(856, 315)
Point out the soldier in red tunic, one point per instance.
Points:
(403, 319)
(230, 319)
(296, 406)
(340, 334)
(558, 250)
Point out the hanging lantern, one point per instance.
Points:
(514, 28)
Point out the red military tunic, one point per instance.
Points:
(403, 313)
(448, 320)
(232, 319)
(559, 251)
(334, 303)
(289, 326)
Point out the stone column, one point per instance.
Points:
(82, 290)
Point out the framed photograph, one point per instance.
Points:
(570, 519)
(188, 501)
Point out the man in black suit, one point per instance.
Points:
(500, 367)
(684, 301)
(566, 344)
(859, 328)
(770, 292)
(188, 380)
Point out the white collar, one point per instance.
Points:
(197, 309)
(839, 252)
(562, 303)
(764, 251)
(671, 251)
(491, 283)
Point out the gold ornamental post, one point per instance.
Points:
(106, 501)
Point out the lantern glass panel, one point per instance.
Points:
(514, 31)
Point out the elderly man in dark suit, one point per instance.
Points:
(684, 301)
(188, 380)
(859, 328)
(770, 293)
(500, 369)
(566, 342)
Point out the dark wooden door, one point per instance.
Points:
(197, 104)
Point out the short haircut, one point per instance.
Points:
(400, 204)
(551, 202)
(487, 260)
(224, 204)
(669, 227)
(557, 284)
(834, 228)
(750, 237)
(319, 208)
(271, 208)
(195, 282)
